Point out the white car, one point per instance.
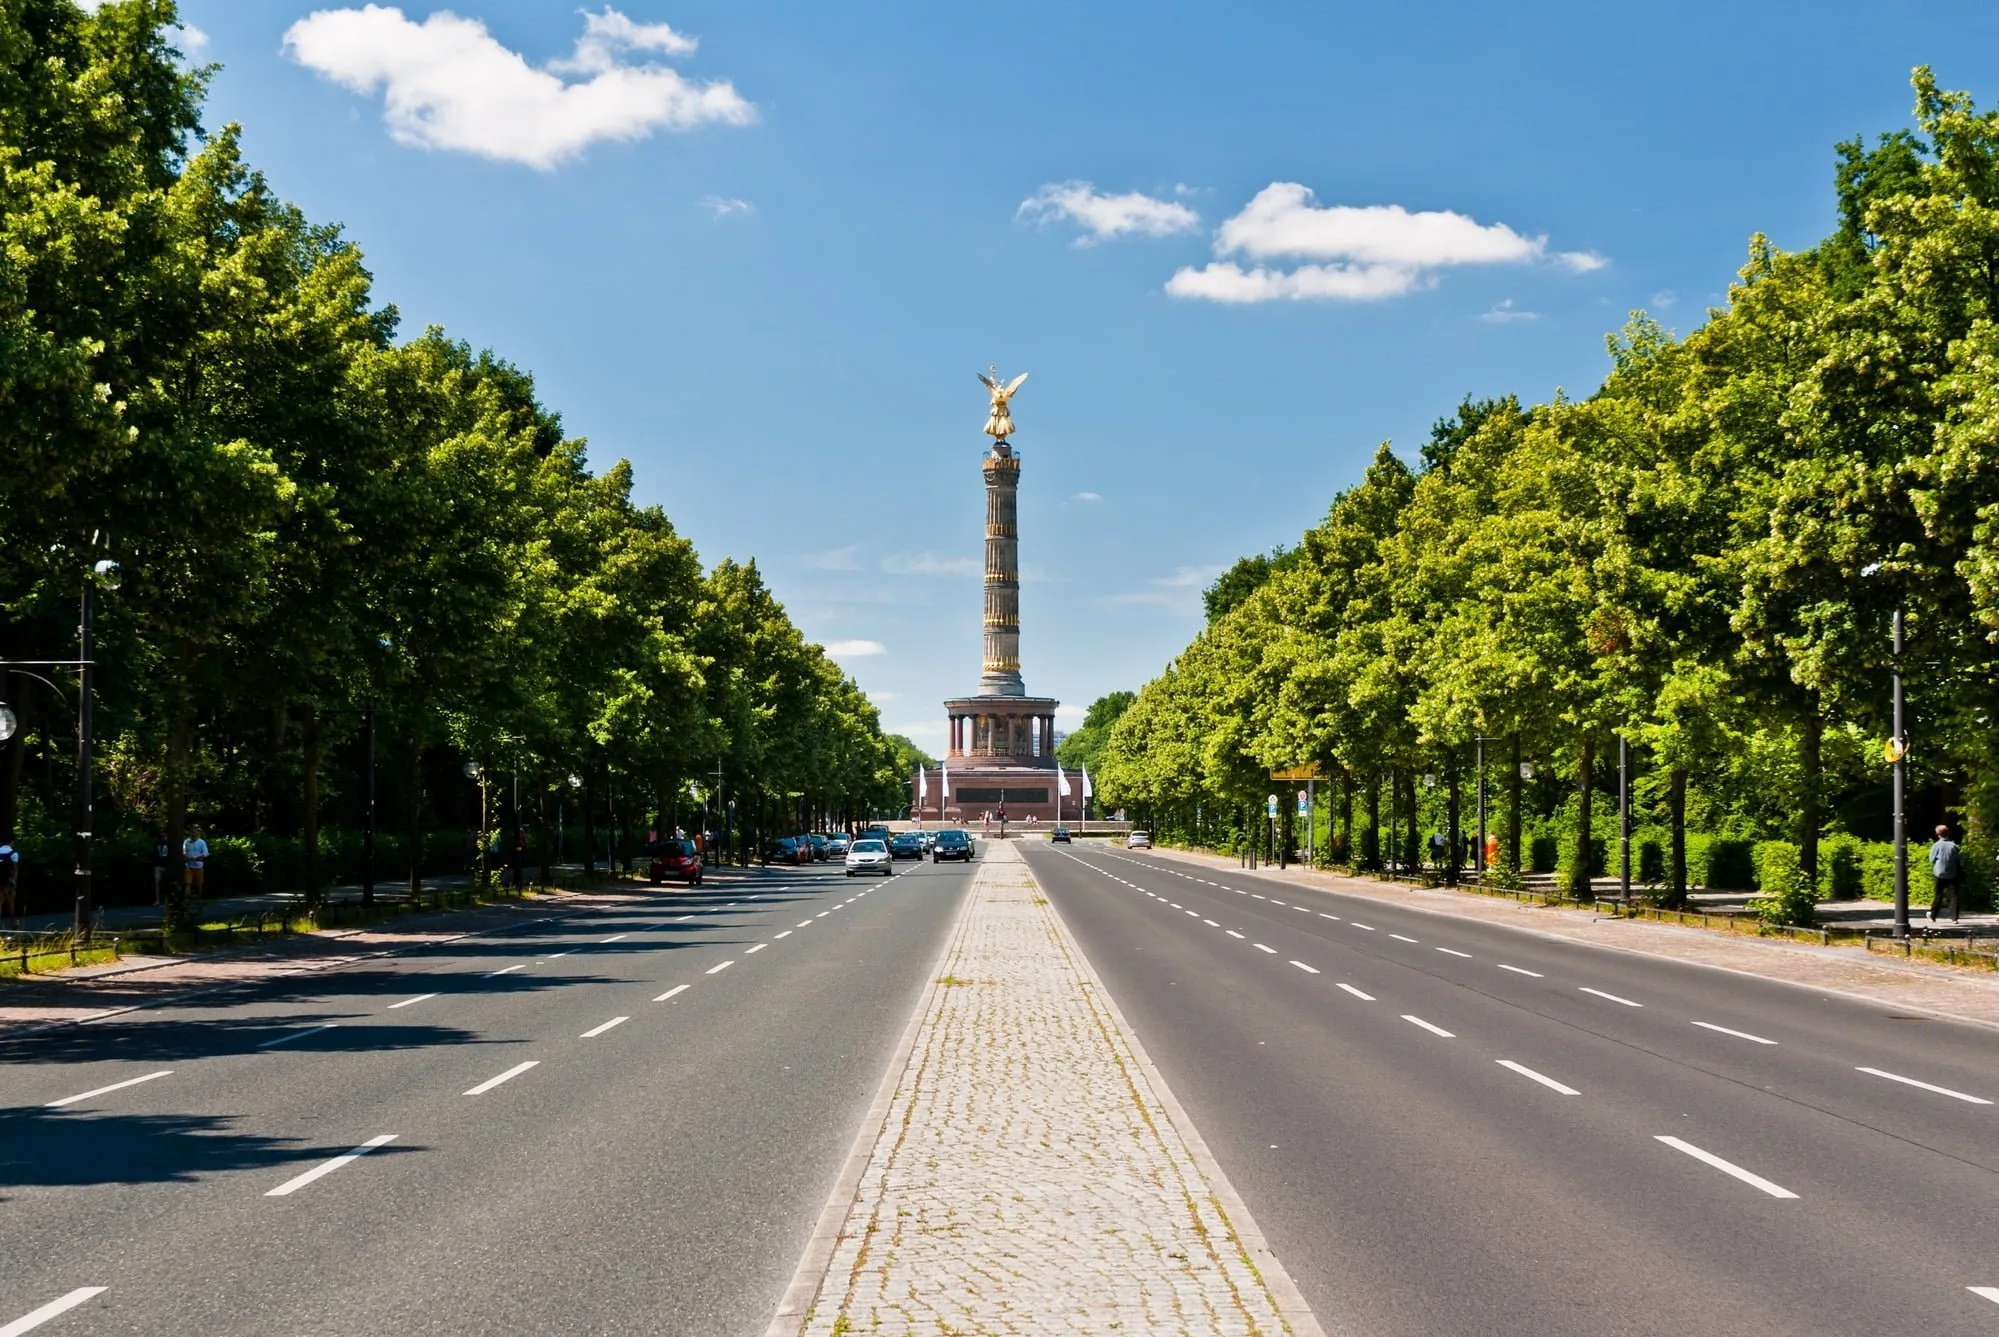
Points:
(1138, 840)
(869, 856)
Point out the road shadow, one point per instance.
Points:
(184, 1041)
(44, 1148)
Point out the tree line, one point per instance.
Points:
(1701, 560)
(320, 525)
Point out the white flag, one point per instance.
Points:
(944, 772)
(922, 784)
(1087, 791)
(1062, 783)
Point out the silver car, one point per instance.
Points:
(869, 856)
(1138, 840)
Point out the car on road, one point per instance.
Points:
(786, 849)
(906, 845)
(676, 859)
(1060, 836)
(821, 848)
(952, 845)
(836, 845)
(1138, 840)
(870, 856)
(881, 833)
(929, 839)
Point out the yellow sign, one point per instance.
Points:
(1895, 749)
(1298, 773)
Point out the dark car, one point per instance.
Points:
(786, 849)
(1060, 835)
(819, 847)
(677, 859)
(907, 845)
(881, 833)
(952, 845)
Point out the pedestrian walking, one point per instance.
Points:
(10, 881)
(163, 857)
(194, 862)
(1947, 869)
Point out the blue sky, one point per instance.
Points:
(761, 250)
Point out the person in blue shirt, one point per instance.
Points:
(1947, 868)
(10, 881)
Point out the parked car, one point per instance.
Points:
(786, 849)
(906, 845)
(836, 845)
(821, 847)
(676, 859)
(952, 845)
(881, 833)
(1138, 840)
(1060, 836)
(870, 856)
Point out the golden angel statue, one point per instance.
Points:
(1000, 425)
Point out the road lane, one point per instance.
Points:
(1381, 1159)
(721, 1115)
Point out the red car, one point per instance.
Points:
(675, 859)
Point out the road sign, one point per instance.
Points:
(1304, 803)
(1895, 749)
(1298, 773)
(1271, 807)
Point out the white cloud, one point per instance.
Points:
(836, 559)
(1351, 253)
(884, 696)
(448, 84)
(1107, 217)
(722, 206)
(930, 564)
(1183, 576)
(1177, 592)
(1070, 712)
(1505, 313)
(920, 729)
(189, 38)
(854, 649)
(1664, 299)
(1087, 496)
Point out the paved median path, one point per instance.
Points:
(1028, 1172)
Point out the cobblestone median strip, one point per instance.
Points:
(1030, 1173)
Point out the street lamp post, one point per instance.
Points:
(1478, 855)
(1899, 749)
(1624, 816)
(104, 573)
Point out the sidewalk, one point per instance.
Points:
(1904, 985)
(1028, 1173)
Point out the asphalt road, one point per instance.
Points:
(1450, 1127)
(664, 1095)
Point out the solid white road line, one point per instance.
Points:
(1261, 948)
(105, 1090)
(1398, 937)
(1740, 1035)
(1452, 951)
(678, 988)
(1364, 997)
(69, 1302)
(1925, 1086)
(1434, 1030)
(508, 971)
(1309, 970)
(506, 1076)
(1726, 1167)
(407, 1001)
(758, 948)
(596, 1031)
(324, 1168)
(716, 970)
(1983, 1292)
(1534, 1076)
(1611, 996)
(296, 1035)
(1357, 924)
(1518, 971)
(1232, 933)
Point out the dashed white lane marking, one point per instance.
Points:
(1309, 970)
(1534, 1076)
(1211, 923)
(27, 1322)
(1324, 915)
(787, 933)
(1259, 895)
(1276, 902)
(1401, 938)
(553, 955)
(507, 1076)
(296, 1035)
(823, 913)
(1452, 951)
(716, 970)
(676, 989)
(324, 1168)
(1303, 910)
(754, 950)
(1432, 1029)
(1192, 914)
(1176, 905)
(1755, 1181)
(508, 971)
(1611, 996)
(1925, 1086)
(1357, 924)
(1261, 948)
(408, 1001)
(596, 1031)
(1740, 1035)
(1232, 933)
(804, 923)
(683, 919)
(1518, 971)
(1364, 997)
(106, 1090)
(1982, 1292)
(617, 937)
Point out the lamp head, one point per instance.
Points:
(7, 724)
(107, 574)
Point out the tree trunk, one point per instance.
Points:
(1580, 886)
(1455, 838)
(1810, 811)
(1415, 846)
(1676, 803)
(415, 851)
(1371, 844)
(180, 746)
(309, 745)
(1513, 808)
(1346, 816)
(589, 826)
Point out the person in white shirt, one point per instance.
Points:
(194, 860)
